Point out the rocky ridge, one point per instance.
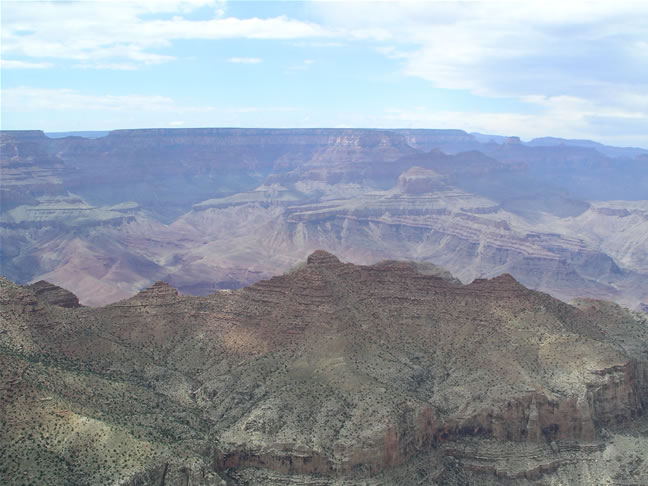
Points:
(336, 374)
(53, 295)
(208, 209)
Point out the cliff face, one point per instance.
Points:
(208, 209)
(348, 372)
(185, 166)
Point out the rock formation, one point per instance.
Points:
(208, 209)
(53, 295)
(333, 373)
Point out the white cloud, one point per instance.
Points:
(244, 60)
(50, 99)
(111, 33)
(15, 64)
(25, 98)
(259, 109)
(303, 65)
(116, 66)
(582, 64)
(319, 44)
(562, 116)
(509, 48)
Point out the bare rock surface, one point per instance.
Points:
(208, 209)
(53, 294)
(333, 373)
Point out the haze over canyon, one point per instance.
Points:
(106, 214)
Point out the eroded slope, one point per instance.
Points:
(378, 374)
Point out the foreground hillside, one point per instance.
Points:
(333, 373)
(208, 209)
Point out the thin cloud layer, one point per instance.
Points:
(33, 99)
(13, 64)
(244, 60)
(124, 31)
(511, 48)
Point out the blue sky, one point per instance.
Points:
(567, 69)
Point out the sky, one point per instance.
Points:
(517, 68)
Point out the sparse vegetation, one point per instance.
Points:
(328, 362)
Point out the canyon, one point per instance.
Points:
(333, 373)
(209, 209)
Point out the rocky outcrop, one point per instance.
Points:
(177, 474)
(450, 141)
(530, 419)
(322, 258)
(342, 371)
(158, 292)
(53, 295)
(421, 181)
